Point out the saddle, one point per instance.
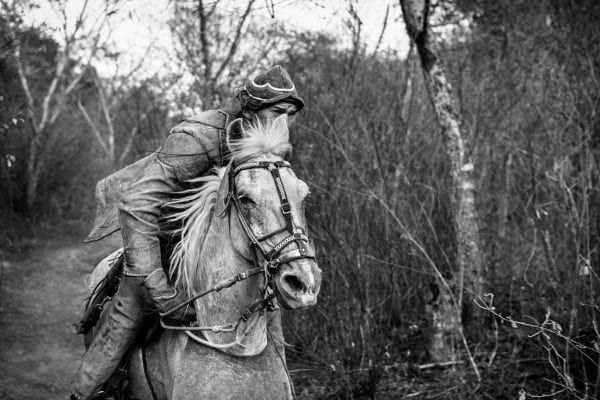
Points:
(106, 278)
(102, 293)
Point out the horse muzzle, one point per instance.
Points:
(298, 283)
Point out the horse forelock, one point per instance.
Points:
(260, 138)
(193, 211)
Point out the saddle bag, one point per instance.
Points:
(102, 294)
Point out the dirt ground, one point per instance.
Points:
(42, 285)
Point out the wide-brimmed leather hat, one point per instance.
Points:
(273, 86)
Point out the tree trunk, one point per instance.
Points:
(446, 316)
(32, 159)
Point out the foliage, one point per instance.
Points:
(529, 108)
(14, 130)
(217, 46)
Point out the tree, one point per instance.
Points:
(447, 309)
(220, 42)
(208, 41)
(103, 123)
(81, 40)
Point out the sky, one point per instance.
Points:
(140, 28)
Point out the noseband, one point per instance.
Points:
(266, 260)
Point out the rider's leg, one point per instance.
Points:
(117, 333)
(165, 296)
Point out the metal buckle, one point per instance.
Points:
(246, 314)
(286, 208)
(272, 266)
(301, 247)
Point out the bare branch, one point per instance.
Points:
(132, 133)
(355, 25)
(58, 73)
(205, 56)
(95, 131)
(385, 21)
(106, 112)
(79, 20)
(124, 79)
(134, 130)
(212, 9)
(23, 79)
(65, 94)
(235, 42)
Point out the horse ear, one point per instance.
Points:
(280, 124)
(235, 130)
(223, 199)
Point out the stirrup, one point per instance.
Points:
(103, 395)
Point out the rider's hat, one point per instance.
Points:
(268, 88)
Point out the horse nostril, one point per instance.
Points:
(294, 283)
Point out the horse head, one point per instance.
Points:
(247, 223)
(269, 199)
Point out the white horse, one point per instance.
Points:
(243, 251)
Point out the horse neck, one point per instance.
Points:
(220, 261)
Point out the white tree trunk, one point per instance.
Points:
(469, 278)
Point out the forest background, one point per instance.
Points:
(399, 314)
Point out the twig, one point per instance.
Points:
(385, 21)
(235, 41)
(440, 364)
(95, 131)
(204, 41)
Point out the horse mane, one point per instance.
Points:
(193, 212)
(271, 137)
(193, 209)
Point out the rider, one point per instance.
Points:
(132, 198)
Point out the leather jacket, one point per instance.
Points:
(131, 199)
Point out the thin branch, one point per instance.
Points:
(95, 131)
(355, 25)
(440, 364)
(132, 133)
(23, 79)
(204, 42)
(65, 19)
(107, 118)
(58, 73)
(385, 21)
(213, 8)
(65, 94)
(79, 20)
(124, 79)
(134, 130)
(235, 42)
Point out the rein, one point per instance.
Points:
(272, 258)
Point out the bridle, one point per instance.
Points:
(266, 260)
(296, 233)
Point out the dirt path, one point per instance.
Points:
(41, 290)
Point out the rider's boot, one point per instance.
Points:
(166, 297)
(100, 395)
(114, 337)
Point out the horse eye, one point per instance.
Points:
(310, 200)
(246, 201)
